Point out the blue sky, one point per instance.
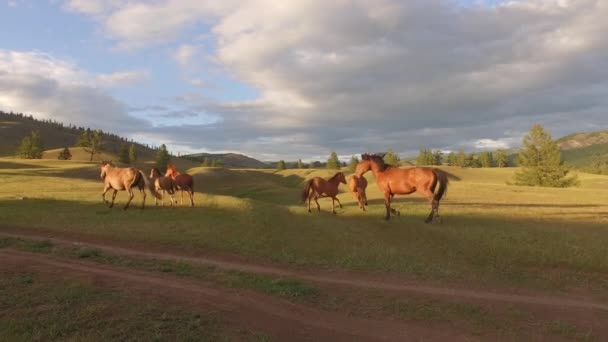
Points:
(304, 78)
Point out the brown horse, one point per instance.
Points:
(184, 182)
(357, 186)
(318, 187)
(395, 181)
(118, 178)
(163, 184)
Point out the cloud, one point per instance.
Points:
(122, 78)
(47, 87)
(184, 55)
(370, 75)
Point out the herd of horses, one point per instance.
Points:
(390, 179)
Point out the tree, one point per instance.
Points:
(333, 163)
(473, 161)
(437, 157)
(206, 162)
(541, 161)
(425, 157)
(485, 159)
(461, 159)
(132, 154)
(31, 146)
(353, 164)
(299, 164)
(65, 154)
(501, 158)
(281, 165)
(452, 159)
(391, 158)
(92, 141)
(123, 154)
(162, 157)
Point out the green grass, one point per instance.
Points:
(41, 308)
(492, 235)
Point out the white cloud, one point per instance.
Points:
(185, 54)
(122, 78)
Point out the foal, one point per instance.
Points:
(319, 187)
(162, 184)
(357, 186)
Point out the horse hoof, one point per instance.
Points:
(427, 221)
(438, 220)
(333, 212)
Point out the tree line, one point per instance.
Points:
(497, 158)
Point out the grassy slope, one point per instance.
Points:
(492, 233)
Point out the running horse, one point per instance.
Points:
(318, 187)
(163, 184)
(119, 178)
(396, 181)
(183, 181)
(357, 186)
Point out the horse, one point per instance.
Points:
(396, 181)
(318, 187)
(163, 184)
(357, 186)
(183, 181)
(117, 178)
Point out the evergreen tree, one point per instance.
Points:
(299, 164)
(123, 154)
(461, 159)
(452, 159)
(501, 158)
(333, 163)
(281, 165)
(30, 147)
(162, 158)
(353, 164)
(65, 154)
(541, 161)
(92, 141)
(391, 158)
(485, 159)
(472, 161)
(425, 157)
(437, 157)
(132, 154)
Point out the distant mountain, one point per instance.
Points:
(582, 149)
(229, 159)
(583, 139)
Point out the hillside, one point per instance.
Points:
(583, 139)
(234, 160)
(585, 148)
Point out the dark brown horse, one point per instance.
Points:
(184, 182)
(357, 186)
(395, 181)
(318, 187)
(118, 178)
(162, 185)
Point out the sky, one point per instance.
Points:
(301, 78)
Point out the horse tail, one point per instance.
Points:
(150, 185)
(306, 190)
(442, 178)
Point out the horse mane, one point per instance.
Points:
(155, 169)
(378, 159)
(335, 176)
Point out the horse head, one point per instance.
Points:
(104, 168)
(154, 173)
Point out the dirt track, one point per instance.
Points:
(282, 319)
(333, 278)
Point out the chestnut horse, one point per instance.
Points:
(318, 187)
(162, 184)
(395, 181)
(118, 178)
(357, 186)
(184, 182)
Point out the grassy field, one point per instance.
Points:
(493, 235)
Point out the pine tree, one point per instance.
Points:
(281, 165)
(437, 157)
(501, 158)
(162, 158)
(485, 159)
(461, 159)
(299, 164)
(473, 161)
(541, 161)
(391, 158)
(353, 164)
(31, 147)
(333, 163)
(92, 141)
(132, 154)
(423, 158)
(65, 154)
(123, 154)
(452, 159)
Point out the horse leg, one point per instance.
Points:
(182, 200)
(131, 195)
(143, 194)
(337, 199)
(434, 204)
(103, 194)
(318, 206)
(333, 205)
(191, 193)
(113, 197)
(309, 199)
(387, 203)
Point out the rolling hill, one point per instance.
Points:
(582, 149)
(234, 160)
